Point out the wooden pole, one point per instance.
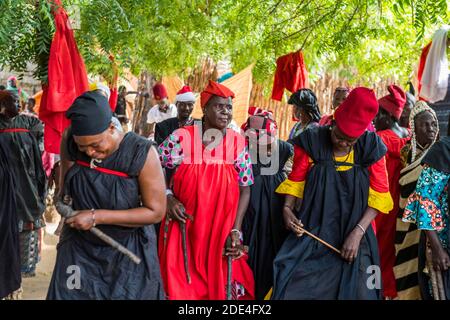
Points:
(300, 229)
(185, 253)
(432, 273)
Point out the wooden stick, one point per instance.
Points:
(300, 229)
(113, 243)
(440, 285)
(66, 211)
(166, 231)
(432, 273)
(185, 253)
(229, 275)
(229, 271)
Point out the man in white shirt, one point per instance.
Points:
(162, 110)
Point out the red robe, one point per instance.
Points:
(291, 74)
(386, 224)
(210, 193)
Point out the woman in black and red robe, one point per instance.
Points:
(339, 174)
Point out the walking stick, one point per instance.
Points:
(185, 253)
(166, 231)
(184, 245)
(66, 212)
(300, 230)
(229, 270)
(440, 285)
(229, 295)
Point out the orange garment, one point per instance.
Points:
(386, 224)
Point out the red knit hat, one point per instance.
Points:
(394, 102)
(356, 112)
(214, 89)
(159, 91)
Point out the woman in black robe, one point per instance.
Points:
(116, 183)
(9, 233)
(263, 228)
(22, 137)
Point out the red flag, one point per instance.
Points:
(67, 79)
(423, 60)
(291, 74)
(114, 92)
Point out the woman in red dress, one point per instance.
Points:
(210, 197)
(395, 138)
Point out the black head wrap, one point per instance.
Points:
(90, 114)
(307, 100)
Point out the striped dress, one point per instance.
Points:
(406, 268)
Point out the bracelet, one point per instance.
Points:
(361, 227)
(240, 234)
(93, 218)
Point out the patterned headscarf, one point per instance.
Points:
(419, 107)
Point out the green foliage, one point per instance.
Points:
(26, 31)
(362, 40)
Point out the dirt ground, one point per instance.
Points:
(36, 288)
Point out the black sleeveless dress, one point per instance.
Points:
(105, 273)
(334, 202)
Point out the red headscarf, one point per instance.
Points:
(214, 89)
(394, 102)
(159, 91)
(356, 112)
(263, 125)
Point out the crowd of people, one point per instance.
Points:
(354, 205)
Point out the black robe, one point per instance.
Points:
(164, 128)
(23, 150)
(106, 273)
(10, 277)
(263, 226)
(333, 203)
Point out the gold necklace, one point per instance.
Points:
(345, 160)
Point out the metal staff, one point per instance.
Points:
(67, 212)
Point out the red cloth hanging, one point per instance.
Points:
(114, 92)
(291, 74)
(67, 79)
(423, 60)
